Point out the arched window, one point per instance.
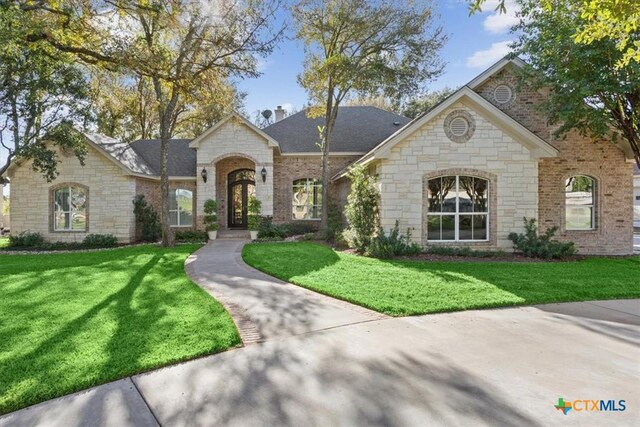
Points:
(458, 209)
(180, 208)
(580, 203)
(307, 199)
(70, 208)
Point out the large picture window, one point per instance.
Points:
(580, 212)
(180, 208)
(307, 199)
(70, 209)
(458, 209)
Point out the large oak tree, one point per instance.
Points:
(363, 48)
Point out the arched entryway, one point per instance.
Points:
(241, 185)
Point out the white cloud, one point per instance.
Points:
(484, 58)
(497, 22)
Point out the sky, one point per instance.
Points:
(474, 43)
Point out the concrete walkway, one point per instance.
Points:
(263, 306)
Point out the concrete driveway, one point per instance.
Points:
(491, 367)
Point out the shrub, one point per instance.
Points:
(392, 244)
(532, 244)
(334, 222)
(191, 236)
(26, 239)
(253, 208)
(297, 228)
(362, 208)
(267, 229)
(100, 241)
(210, 215)
(147, 218)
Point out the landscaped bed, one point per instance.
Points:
(403, 287)
(4, 242)
(74, 320)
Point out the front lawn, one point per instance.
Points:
(402, 288)
(74, 320)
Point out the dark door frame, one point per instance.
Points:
(244, 183)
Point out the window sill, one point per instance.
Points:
(181, 226)
(69, 231)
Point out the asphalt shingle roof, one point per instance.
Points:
(182, 159)
(358, 129)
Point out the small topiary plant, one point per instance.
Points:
(534, 245)
(211, 215)
(253, 209)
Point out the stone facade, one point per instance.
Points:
(290, 168)
(234, 139)
(428, 152)
(578, 155)
(110, 192)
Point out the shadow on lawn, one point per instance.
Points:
(39, 367)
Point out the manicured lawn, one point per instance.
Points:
(416, 287)
(72, 321)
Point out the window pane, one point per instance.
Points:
(480, 227)
(466, 194)
(78, 199)
(433, 227)
(186, 218)
(578, 218)
(465, 227)
(242, 175)
(480, 195)
(579, 190)
(62, 199)
(78, 221)
(61, 220)
(306, 199)
(448, 227)
(449, 194)
(173, 200)
(173, 217)
(184, 200)
(434, 188)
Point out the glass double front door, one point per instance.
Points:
(241, 188)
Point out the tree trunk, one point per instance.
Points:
(167, 234)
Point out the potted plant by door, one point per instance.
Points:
(253, 218)
(211, 218)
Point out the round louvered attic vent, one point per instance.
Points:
(502, 94)
(459, 126)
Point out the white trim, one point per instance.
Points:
(317, 153)
(537, 146)
(270, 141)
(495, 68)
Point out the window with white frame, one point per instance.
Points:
(180, 208)
(307, 199)
(458, 209)
(70, 208)
(580, 203)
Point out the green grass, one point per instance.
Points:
(402, 288)
(72, 321)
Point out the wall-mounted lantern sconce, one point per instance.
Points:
(203, 174)
(264, 174)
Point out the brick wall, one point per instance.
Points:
(151, 190)
(289, 168)
(578, 155)
(109, 208)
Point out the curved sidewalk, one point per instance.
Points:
(262, 306)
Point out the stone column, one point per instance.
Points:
(264, 190)
(204, 190)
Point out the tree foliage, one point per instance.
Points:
(177, 46)
(587, 89)
(43, 98)
(358, 47)
(417, 106)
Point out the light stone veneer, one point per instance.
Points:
(428, 150)
(109, 208)
(235, 139)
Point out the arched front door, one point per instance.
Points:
(241, 185)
